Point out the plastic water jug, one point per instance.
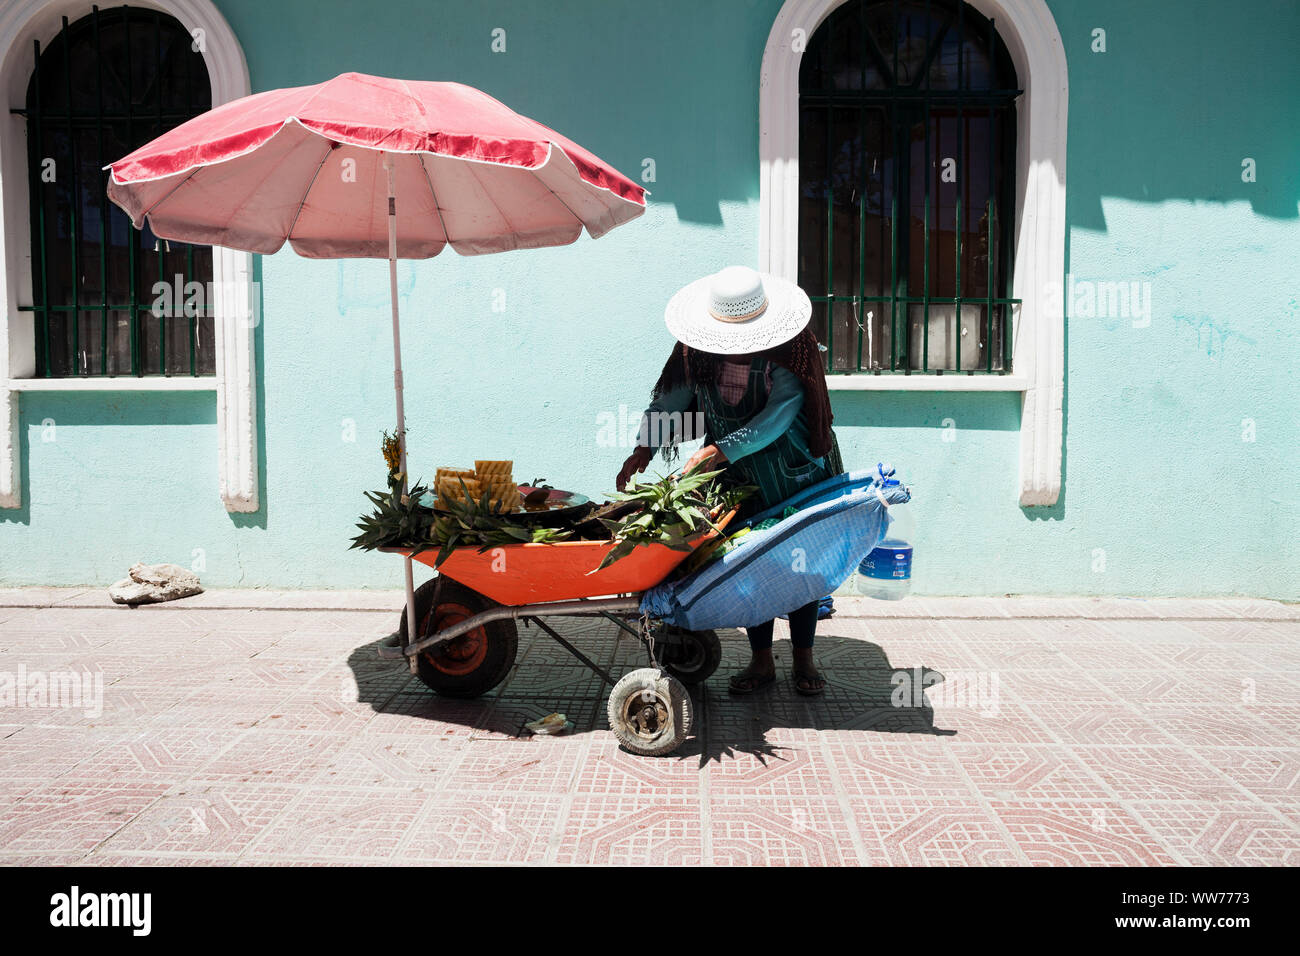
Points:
(886, 573)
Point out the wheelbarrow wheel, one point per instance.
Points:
(690, 656)
(650, 712)
(469, 665)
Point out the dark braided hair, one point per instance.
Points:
(800, 356)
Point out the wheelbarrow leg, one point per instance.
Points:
(592, 665)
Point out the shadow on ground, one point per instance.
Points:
(864, 691)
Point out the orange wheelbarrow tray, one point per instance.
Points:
(468, 638)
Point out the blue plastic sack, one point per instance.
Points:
(792, 563)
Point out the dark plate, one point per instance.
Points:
(546, 507)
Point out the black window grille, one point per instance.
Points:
(907, 157)
(107, 84)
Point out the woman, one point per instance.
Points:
(749, 371)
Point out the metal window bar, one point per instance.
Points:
(75, 119)
(901, 105)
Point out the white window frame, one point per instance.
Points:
(21, 22)
(1038, 325)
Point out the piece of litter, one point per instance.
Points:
(550, 725)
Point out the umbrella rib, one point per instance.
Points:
(306, 192)
(492, 199)
(436, 208)
(169, 195)
(569, 208)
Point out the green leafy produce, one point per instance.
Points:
(668, 511)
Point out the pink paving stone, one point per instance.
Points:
(529, 766)
(273, 757)
(1082, 724)
(202, 820)
(422, 712)
(413, 761)
(644, 829)
(1039, 773)
(911, 767)
(787, 831)
(155, 755)
(848, 777)
(1029, 686)
(1198, 726)
(1157, 773)
(1269, 774)
(484, 828)
(320, 709)
(1014, 723)
(924, 831)
(1168, 687)
(1223, 834)
(341, 824)
(1083, 833)
(794, 769)
(73, 815)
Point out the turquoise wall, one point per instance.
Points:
(1157, 474)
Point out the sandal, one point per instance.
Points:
(746, 682)
(816, 684)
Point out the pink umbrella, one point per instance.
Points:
(321, 167)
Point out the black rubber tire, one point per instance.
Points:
(667, 699)
(445, 668)
(691, 656)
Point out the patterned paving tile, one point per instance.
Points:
(423, 712)
(273, 757)
(203, 820)
(1082, 724)
(484, 828)
(73, 814)
(1146, 686)
(1216, 726)
(794, 764)
(788, 831)
(641, 829)
(911, 768)
(1086, 833)
(1060, 731)
(928, 831)
(417, 760)
(1223, 834)
(1157, 773)
(528, 766)
(1272, 775)
(159, 755)
(341, 824)
(1038, 773)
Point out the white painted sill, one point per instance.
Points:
(894, 382)
(160, 383)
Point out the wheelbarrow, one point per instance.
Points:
(467, 636)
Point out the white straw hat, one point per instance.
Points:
(736, 311)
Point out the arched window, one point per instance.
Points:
(107, 84)
(907, 158)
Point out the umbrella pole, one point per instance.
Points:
(412, 634)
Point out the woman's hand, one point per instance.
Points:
(637, 461)
(710, 456)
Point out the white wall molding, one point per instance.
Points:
(22, 22)
(1038, 335)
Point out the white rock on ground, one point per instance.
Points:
(154, 583)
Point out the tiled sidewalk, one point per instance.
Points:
(1064, 732)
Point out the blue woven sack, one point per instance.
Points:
(792, 563)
